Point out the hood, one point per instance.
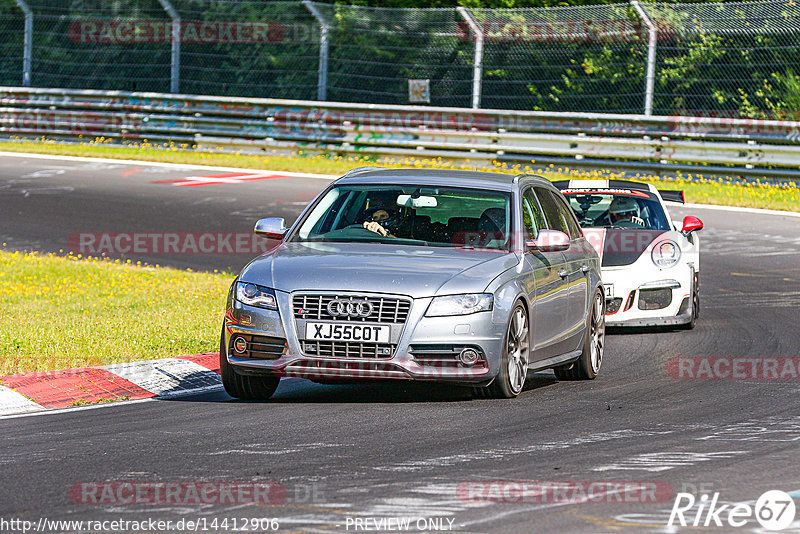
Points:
(383, 268)
(620, 246)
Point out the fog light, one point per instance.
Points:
(468, 357)
(239, 345)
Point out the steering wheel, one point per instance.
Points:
(364, 230)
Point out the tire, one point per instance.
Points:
(587, 366)
(696, 293)
(695, 305)
(244, 386)
(514, 364)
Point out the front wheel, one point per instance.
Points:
(244, 386)
(588, 363)
(514, 364)
(695, 305)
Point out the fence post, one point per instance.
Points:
(652, 36)
(322, 79)
(477, 69)
(27, 54)
(175, 70)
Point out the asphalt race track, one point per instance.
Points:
(397, 450)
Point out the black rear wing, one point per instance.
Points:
(561, 184)
(667, 195)
(672, 196)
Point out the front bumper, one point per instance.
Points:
(424, 348)
(654, 298)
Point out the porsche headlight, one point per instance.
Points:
(666, 254)
(460, 304)
(255, 295)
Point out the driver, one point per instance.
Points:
(624, 210)
(383, 220)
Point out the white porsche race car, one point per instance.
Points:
(650, 268)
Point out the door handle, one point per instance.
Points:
(585, 268)
(563, 273)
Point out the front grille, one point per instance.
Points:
(384, 309)
(335, 368)
(348, 349)
(262, 347)
(612, 305)
(655, 299)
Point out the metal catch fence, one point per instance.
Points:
(735, 59)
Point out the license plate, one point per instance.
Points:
(609, 290)
(348, 332)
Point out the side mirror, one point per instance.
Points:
(271, 228)
(691, 224)
(549, 241)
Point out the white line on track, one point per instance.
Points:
(53, 411)
(756, 211)
(176, 166)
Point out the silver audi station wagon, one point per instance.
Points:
(469, 278)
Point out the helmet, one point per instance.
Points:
(624, 206)
(390, 217)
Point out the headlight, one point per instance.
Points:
(460, 304)
(666, 254)
(254, 295)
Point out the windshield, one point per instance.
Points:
(618, 209)
(414, 215)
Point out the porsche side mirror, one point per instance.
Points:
(271, 228)
(691, 224)
(549, 241)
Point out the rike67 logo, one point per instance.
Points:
(774, 510)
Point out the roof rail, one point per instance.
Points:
(362, 169)
(523, 175)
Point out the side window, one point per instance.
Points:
(532, 218)
(552, 211)
(569, 217)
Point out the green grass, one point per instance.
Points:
(704, 191)
(64, 312)
(101, 400)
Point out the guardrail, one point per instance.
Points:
(734, 147)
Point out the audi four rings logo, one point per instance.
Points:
(349, 308)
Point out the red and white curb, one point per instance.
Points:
(33, 392)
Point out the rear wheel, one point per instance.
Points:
(514, 364)
(244, 386)
(588, 363)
